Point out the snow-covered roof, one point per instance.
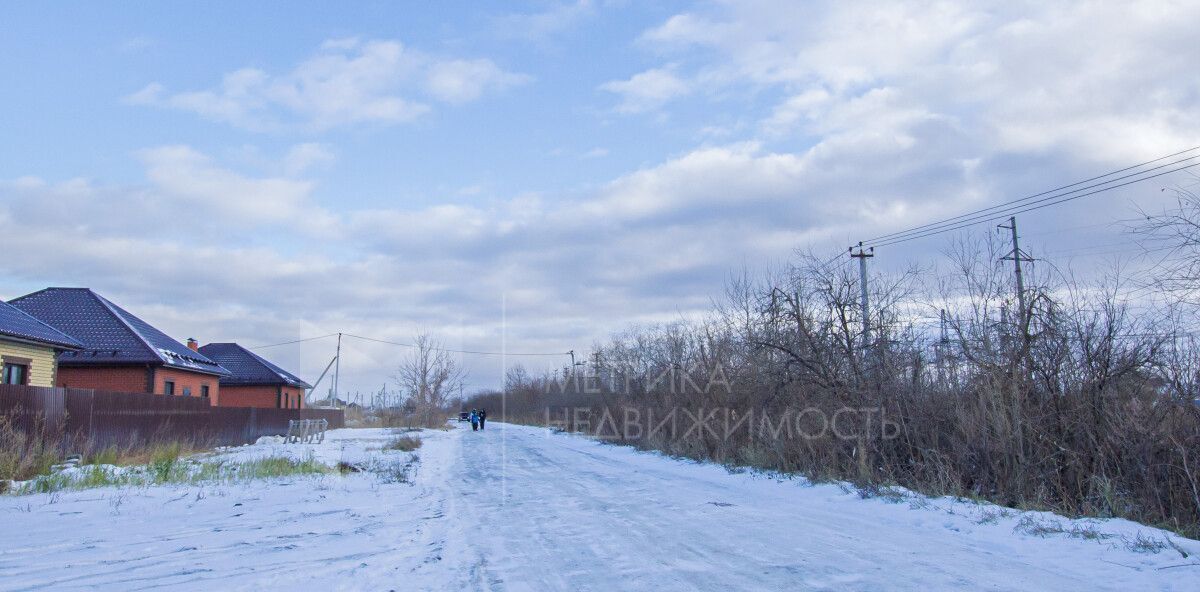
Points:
(248, 368)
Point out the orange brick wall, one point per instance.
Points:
(261, 396)
(293, 398)
(124, 379)
(186, 380)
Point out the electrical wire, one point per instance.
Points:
(1060, 231)
(834, 258)
(1029, 208)
(458, 351)
(296, 341)
(413, 346)
(1022, 201)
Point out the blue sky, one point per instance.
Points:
(540, 175)
(99, 54)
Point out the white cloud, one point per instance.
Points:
(558, 17)
(347, 82)
(805, 106)
(924, 110)
(647, 90)
(460, 81)
(1000, 69)
(303, 157)
(192, 179)
(700, 179)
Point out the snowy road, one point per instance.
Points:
(516, 508)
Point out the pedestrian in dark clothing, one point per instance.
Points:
(482, 418)
(474, 420)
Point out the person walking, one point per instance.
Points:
(474, 420)
(482, 418)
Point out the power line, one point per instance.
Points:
(458, 351)
(1060, 231)
(1090, 249)
(1030, 207)
(413, 346)
(986, 216)
(296, 341)
(832, 259)
(1022, 201)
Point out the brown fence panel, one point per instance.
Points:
(108, 418)
(121, 418)
(33, 408)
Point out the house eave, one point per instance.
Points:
(58, 347)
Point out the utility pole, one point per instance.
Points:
(596, 367)
(1017, 256)
(573, 371)
(337, 371)
(862, 256)
(940, 349)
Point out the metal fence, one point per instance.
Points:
(109, 418)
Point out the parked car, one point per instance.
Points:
(464, 415)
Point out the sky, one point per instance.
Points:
(532, 177)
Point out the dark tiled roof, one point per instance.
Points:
(246, 367)
(15, 323)
(109, 334)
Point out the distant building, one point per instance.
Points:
(120, 352)
(29, 348)
(253, 381)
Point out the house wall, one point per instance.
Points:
(187, 380)
(133, 378)
(293, 398)
(130, 378)
(41, 360)
(262, 396)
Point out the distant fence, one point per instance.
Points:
(109, 418)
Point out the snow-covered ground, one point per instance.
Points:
(517, 508)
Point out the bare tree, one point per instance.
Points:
(429, 378)
(1172, 238)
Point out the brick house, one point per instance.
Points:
(29, 347)
(120, 352)
(253, 381)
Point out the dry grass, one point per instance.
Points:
(24, 455)
(29, 454)
(403, 443)
(168, 468)
(396, 418)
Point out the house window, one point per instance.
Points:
(187, 391)
(169, 387)
(15, 373)
(204, 391)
